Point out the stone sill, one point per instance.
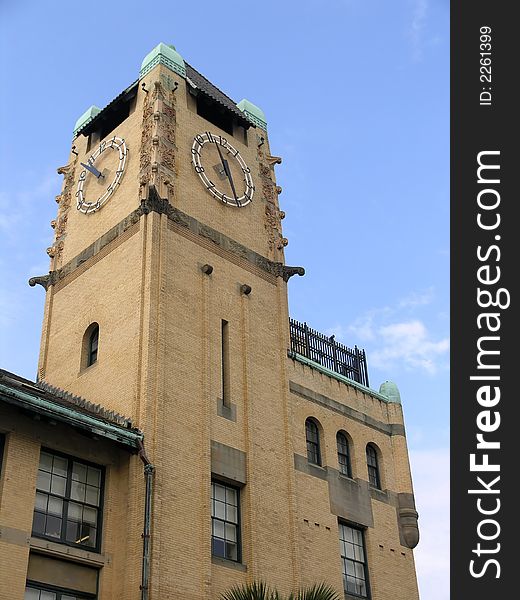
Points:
(93, 559)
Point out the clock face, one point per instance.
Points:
(222, 169)
(101, 175)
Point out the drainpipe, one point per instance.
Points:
(148, 474)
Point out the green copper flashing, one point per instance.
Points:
(362, 388)
(391, 391)
(166, 55)
(253, 113)
(75, 418)
(85, 118)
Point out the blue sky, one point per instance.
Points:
(356, 95)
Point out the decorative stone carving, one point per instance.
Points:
(265, 171)
(273, 160)
(64, 201)
(407, 517)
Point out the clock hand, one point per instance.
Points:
(227, 171)
(92, 169)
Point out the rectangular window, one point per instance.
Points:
(225, 521)
(353, 559)
(68, 501)
(225, 363)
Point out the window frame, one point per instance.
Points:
(90, 343)
(364, 563)
(311, 422)
(237, 525)
(59, 591)
(373, 470)
(67, 499)
(348, 463)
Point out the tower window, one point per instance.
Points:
(225, 521)
(214, 113)
(353, 560)
(373, 467)
(90, 346)
(343, 454)
(68, 501)
(225, 363)
(312, 436)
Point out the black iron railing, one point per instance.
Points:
(351, 363)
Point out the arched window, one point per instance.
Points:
(312, 435)
(373, 468)
(89, 352)
(343, 454)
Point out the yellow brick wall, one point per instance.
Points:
(121, 544)
(159, 363)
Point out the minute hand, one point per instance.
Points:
(227, 171)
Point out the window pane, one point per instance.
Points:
(44, 595)
(31, 594)
(220, 510)
(46, 462)
(53, 526)
(231, 532)
(90, 515)
(93, 476)
(55, 506)
(79, 472)
(73, 531)
(219, 547)
(359, 554)
(220, 492)
(58, 485)
(92, 495)
(360, 571)
(231, 514)
(44, 481)
(231, 496)
(350, 551)
(218, 528)
(77, 491)
(38, 523)
(60, 466)
(41, 501)
(231, 551)
(75, 511)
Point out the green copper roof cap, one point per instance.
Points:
(391, 391)
(86, 117)
(252, 112)
(166, 55)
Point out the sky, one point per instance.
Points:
(356, 96)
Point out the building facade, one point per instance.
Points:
(227, 443)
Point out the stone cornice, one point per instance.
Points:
(154, 203)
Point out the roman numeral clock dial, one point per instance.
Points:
(101, 175)
(222, 169)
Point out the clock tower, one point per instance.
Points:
(166, 302)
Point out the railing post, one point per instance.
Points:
(334, 355)
(358, 366)
(307, 341)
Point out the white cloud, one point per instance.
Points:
(431, 472)
(410, 344)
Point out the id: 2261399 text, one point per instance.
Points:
(485, 66)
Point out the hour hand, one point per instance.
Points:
(92, 169)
